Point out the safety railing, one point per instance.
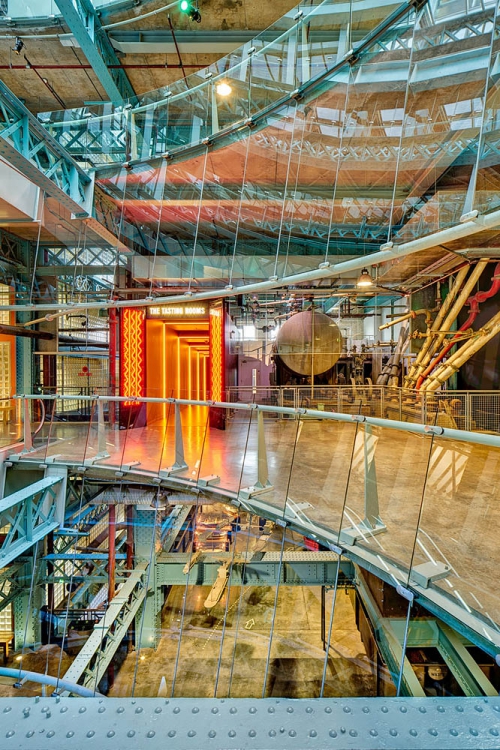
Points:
(475, 411)
(416, 502)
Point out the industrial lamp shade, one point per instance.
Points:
(364, 278)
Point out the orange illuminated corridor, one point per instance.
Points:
(177, 359)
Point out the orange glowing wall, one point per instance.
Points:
(217, 352)
(132, 352)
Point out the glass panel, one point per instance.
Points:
(384, 496)
(486, 196)
(431, 186)
(455, 533)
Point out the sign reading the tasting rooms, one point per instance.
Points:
(178, 312)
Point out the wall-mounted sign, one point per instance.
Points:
(178, 311)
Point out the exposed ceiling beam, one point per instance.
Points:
(84, 23)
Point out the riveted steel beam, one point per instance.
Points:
(83, 21)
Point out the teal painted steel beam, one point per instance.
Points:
(83, 21)
(27, 516)
(26, 145)
(314, 569)
(110, 631)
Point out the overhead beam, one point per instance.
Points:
(84, 23)
(296, 569)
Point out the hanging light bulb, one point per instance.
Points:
(223, 89)
(364, 278)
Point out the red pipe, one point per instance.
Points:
(473, 302)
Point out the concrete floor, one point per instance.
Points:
(226, 656)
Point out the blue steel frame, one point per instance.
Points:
(84, 23)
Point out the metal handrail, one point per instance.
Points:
(420, 429)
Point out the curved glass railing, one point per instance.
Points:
(355, 127)
(261, 515)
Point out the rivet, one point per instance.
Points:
(101, 710)
(231, 733)
(347, 710)
(120, 710)
(494, 732)
(403, 709)
(82, 710)
(233, 710)
(373, 732)
(393, 732)
(30, 733)
(422, 710)
(496, 708)
(366, 710)
(252, 733)
(454, 732)
(413, 732)
(292, 733)
(158, 710)
(328, 710)
(342, 730)
(171, 733)
(313, 733)
(45, 709)
(441, 709)
(290, 710)
(252, 710)
(26, 712)
(191, 733)
(7, 709)
(272, 733)
(433, 732)
(64, 709)
(50, 734)
(10, 733)
(309, 710)
(195, 710)
(131, 733)
(215, 710)
(212, 733)
(138, 710)
(384, 709)
(176, 710)
(48, 715)
(353, 733)
(110, 733)
(332, 733)
(150, 734)
(459, 708)
(478, 708)
(282, 730)
(474, 732)
(90, 733)
(69, 734)
(270, 710)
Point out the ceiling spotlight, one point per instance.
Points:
(19, 44)
(223, 89)
(364, 279)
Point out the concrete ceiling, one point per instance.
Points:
(70, 80)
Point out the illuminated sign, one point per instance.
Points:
(177, 311)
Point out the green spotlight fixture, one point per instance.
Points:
(189, 9)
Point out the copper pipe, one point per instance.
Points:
(423, 356)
